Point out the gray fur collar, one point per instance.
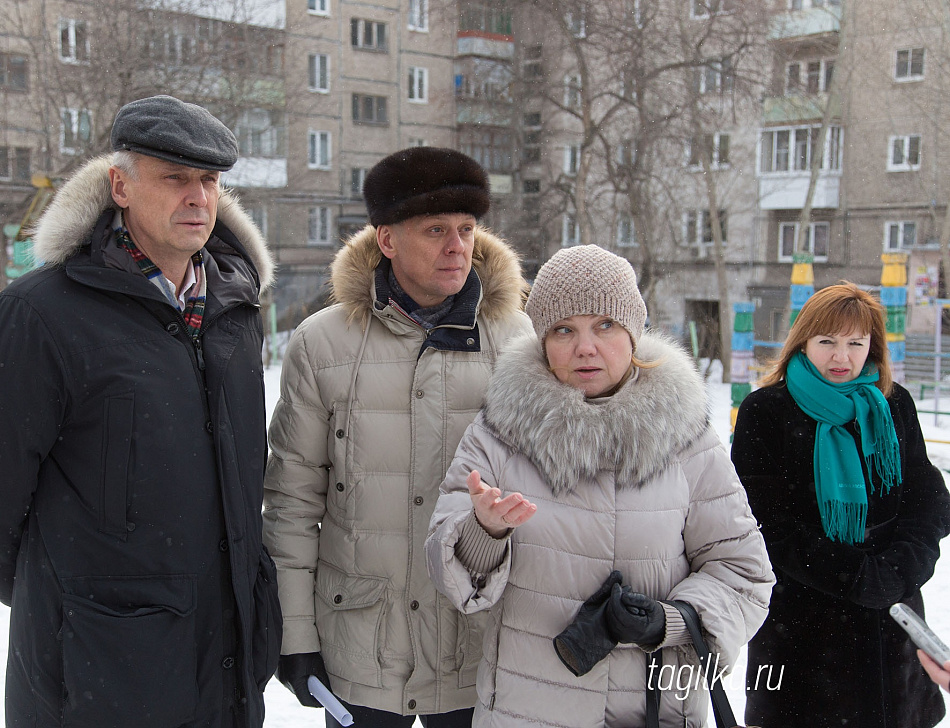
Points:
(636, 433)
(73, 213)
(352, 275)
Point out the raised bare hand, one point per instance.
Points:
(494, 513)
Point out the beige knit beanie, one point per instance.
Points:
(586, 279)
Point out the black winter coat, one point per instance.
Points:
(846, 662)
(131, 475)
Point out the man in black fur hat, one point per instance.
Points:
(375, 395)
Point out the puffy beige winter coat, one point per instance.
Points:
(637, 482)
(366, 426)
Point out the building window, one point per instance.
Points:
(15, 164)
(357, 178)
(715, 76)
(816, 240)
(808, 77)
(418, 85)
(318, 7)
(714, 146)
(318, 150)
(626, 154)
(904, 153)
(531, 186)
(416, 142)
(572, 159)
(476, 16)
(805, 4)
(576, 22)
(572, 91)
(570, 231)
(697, 228)
(368, 34)
(369, 109)
(900, 235)
(75, 130)
(531, 146)
(626, 234)
(532, 68)
(319, 72)
(419, 15)
(705, 8)
(910, 64)
(318, 226)
(13, 72)
(260, 133)
(490, 148)
(790, 150)
(73, 41)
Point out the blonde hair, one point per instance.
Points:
(842, 307)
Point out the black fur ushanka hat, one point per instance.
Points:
(425, 181)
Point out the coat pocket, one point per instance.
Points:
(116, 456)
(350, 612)
(268, 626)
(129, 653)
(468, 646)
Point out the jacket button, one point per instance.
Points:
(173, 328)
(130, 526)
(223, 544)
(412, 705)
(339, 434)
(227, 663)
(209, 426)
(413, 605)
(338, 598)
(418, 500)
(420, 394)
(470, 342)
(339, 487)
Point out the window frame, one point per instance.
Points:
(75, 129)
(314, 72)
(716, 161)
(831, 154)
(901, 226)
(418, 16)
(70, 26)
(319, 141)
(323, 11)
(700, 221)
(319, 218)
(910, 76)
(380, 110)
(6, 73)
(358, 30)
(572, 159)
(809, 240)
(630, 240)
(418, 76)
(907, 146)
(569, 225)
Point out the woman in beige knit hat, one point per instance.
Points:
(590, 491)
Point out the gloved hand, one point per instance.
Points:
(586, 642)
(635, 617)
(293, 671)
(878, 584)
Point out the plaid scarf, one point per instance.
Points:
(195, 305)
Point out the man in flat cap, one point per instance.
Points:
(376, 392)
(132, 443)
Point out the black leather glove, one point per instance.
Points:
(586, 642)
(635, 617)
(293, 671)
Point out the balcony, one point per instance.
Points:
(797, 109)
(486, 45)
(784, 191)
(801, 23)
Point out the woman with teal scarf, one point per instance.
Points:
(834, 463)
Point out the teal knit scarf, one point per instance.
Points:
(839, 477)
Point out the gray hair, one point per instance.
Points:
(126, 162)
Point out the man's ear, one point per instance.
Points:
(119, 187)
(384, 239)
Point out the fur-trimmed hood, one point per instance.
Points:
(352, 275)
(71, 216)
(636, 433)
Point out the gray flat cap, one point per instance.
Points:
(170, 129)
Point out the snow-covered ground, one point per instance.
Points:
(283, 710)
